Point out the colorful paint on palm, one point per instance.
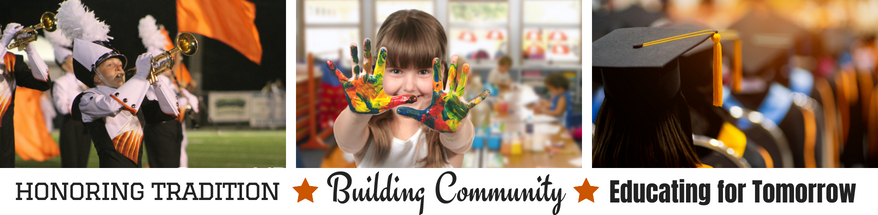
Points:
(448, 107)
(365, 90)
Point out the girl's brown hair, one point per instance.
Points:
(412, 38)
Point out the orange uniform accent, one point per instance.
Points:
(832, 126)
(769, 163)
(5, 91)
(873, 125)
(810, 138)
(843, 103)
(128, 144)
(128, 108)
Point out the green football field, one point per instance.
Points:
(207, 148)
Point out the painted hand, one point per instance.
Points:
(448, 107)
(365, 90)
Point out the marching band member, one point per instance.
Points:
(163, 139)
(75, 141)
(15, 72)
(114, 110)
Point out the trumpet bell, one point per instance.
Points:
(47, 20)
(187, 43)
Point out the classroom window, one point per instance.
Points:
(478, 30)
(331, 43)
(551, 43)
(384, 8)
(552, 31)
(552, 12)
(330, 27)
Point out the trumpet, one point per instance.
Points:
(47, 21)
(186, 44)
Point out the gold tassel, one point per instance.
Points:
(738, 74)
(717, 71)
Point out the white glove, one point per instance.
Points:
(182, 101)
(38, 67)
(10, 31)
(144, 62)
(191, 100)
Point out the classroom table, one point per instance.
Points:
(563, 152)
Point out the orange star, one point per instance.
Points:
(586, 191)
(305, 191)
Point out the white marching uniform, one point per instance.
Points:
(15, 72)
(117, 111)
(74, 139)
(66, 88)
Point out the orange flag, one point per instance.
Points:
(228, 21)
(183, 76)
(32, 139)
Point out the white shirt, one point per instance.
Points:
(402, 154)
(66, 88)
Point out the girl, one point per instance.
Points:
(561, 105)
(428, 128)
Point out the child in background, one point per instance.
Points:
(560, 105)
(500, 76)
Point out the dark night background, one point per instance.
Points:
(224, 69)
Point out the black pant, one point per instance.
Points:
(163, 143)
(7, 147)
(7, 139)
(75, 143)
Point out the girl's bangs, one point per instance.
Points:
(411, 50)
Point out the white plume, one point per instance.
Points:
(77, 22)
(151, 34)
(57, 38)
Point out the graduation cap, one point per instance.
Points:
(767, 39)
(641, 65)
(693, 61)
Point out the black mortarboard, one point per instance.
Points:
(640, 65)
(767, 40)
